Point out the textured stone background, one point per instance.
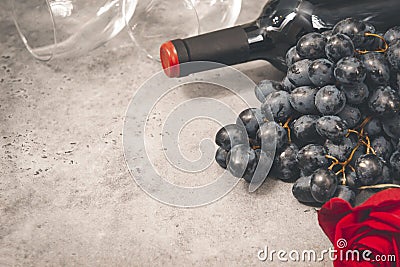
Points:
(66, 195)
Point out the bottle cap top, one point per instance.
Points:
(169, 59)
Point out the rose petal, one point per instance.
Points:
(331, 213)
(386, 221)
(374, 242)
(396, 247)
(348, 226)
(388, 206)
(380, 246)
(377, 242)
(385, 195)
(374, 225)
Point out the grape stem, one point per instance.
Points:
(344, 164)
(379, 186)
(379, 50)
(361, 136)
(364, 123)
(368, 145)
(352, 168)
(286, 126)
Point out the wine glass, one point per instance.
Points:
(156, 21)
(217, 14)
(54, 28)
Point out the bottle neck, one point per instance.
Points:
(278, 27)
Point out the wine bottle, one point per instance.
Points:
(280, 25)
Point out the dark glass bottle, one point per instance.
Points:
(281, 24)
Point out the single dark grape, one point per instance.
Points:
(278, 103)
(220, 157)
(263, 168)
(241, 160)
(371, 43)
(251, 119)
(266, 87)
(352, 180)
(286, 163)
(320, 72)
(341, 150)
(231, 135)
(392, 35)
(383, 147)
(393, 55)
(350, 70)
(391, 126)
(351, 115)
(395, 163)
(332, 127)
(302, 100)
(271, 136)
(298, 73)
(377, 67)
(312, 157)
(356, 93)
(361, 150)
(387, 175)
(329, 100)
(304, 129)
(369, 169)
(302, 190)
(249, 174)
(385, 101)
(338, 47)
(292, 56)
(345, 193)
(373, 127)
(287, 85)
(323, 185)
(353, 28)
(364, 109)
(311, 45)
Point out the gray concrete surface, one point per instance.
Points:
(66, 195)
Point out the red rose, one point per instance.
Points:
(373, 226)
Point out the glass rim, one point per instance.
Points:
(25, 40)
(132, 34)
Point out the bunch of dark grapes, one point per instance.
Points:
(336, 116)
